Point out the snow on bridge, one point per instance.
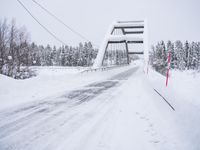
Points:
(118, 43)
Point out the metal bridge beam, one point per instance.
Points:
(133, 32)
(141, 53)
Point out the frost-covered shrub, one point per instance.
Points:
(17, 72)
(5, 69)
(24, 73)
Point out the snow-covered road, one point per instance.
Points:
(120, 113)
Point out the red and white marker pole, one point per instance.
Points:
(168, 67)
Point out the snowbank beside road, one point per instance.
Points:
(183, 93)
(50, 81)
(183, 86)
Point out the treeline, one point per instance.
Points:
(17, 53)
(184, 56)
(115, 57)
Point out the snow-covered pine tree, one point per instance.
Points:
(42, 55)
(186, 50)
(3, 40)
(190, 56)
(86, 54)
(35, 55)
(62, 56)
(48, 51)
(90, 53)
(80, 51)
(170, 48)
(198, 53)
(152, 56)
(180, 55)
(160, 63)
(194, 62)
(54, 60)
(67, 55)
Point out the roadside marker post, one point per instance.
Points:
(168, 67)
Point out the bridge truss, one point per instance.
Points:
(116, 47)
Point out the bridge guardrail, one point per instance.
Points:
(103, 68)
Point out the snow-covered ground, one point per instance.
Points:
(106, 110)
(183, 93)
(50, 81)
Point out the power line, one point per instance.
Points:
(59, 20)
(47, 30)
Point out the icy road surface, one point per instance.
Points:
(120, 113)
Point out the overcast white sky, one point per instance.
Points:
(167, 19)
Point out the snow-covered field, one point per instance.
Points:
(105, 110)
